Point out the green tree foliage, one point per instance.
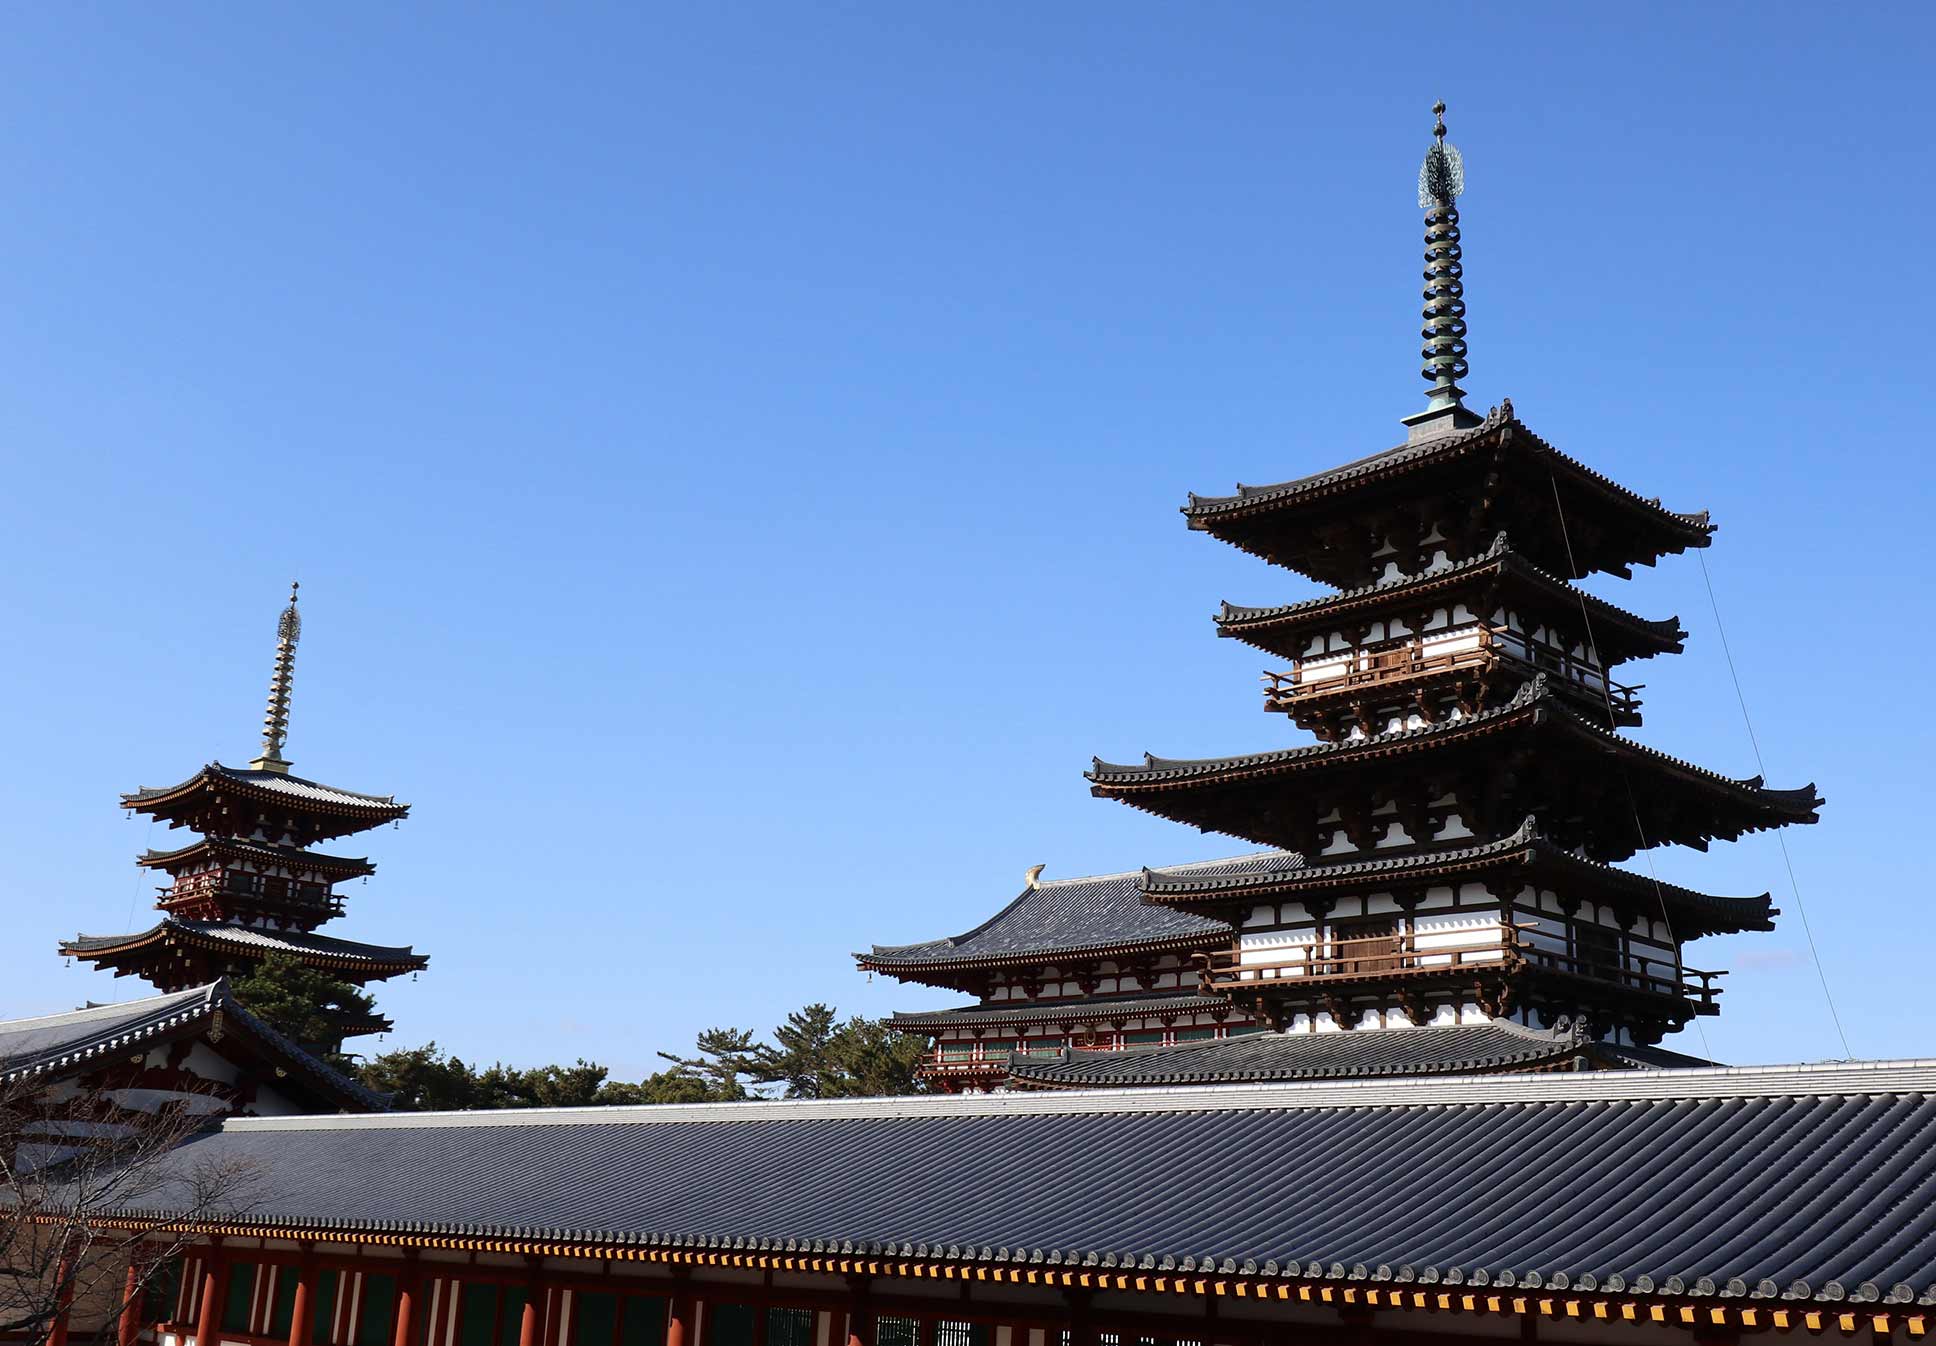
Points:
(812, 1055)
(303, 1003)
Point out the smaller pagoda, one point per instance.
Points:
(251, 885)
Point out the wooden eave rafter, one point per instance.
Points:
(1613, 526)
(1340, 1286)
(1620, 635)
(911, 969)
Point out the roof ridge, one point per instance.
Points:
(119, 1006)
(1821, 1079)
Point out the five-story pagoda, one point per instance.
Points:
(251, 885)
(1449, 837)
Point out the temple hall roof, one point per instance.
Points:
(1786, 1183)
(56, 1046)
(223, 936)
(1090, 1009)
(1093, 917)
(1456, 1049)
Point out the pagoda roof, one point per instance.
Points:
(1284, 629)
(1257, 1058)
(53, 1047)
(1274, 521)
(1534, 706)
(1695, 913)
(1095, 917)
(1090, 1009)
(251, 942)
(236, 848)
(1777, 1187)
(335, 812)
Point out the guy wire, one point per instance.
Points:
(1606, 693)
(1754, 742)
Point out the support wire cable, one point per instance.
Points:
(1606, 694)
(1801, 909)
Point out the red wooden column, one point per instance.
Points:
(409, 1306)
(215, 1290)
(679, 1313)
(860, 1312)
(63, 1296)
(531, 1319)
(304, 1310)
(133, 1291)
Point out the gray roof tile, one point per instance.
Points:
(1068, 916)
(1804, 1183)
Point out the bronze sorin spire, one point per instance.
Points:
(1441, 179)
(275, 722)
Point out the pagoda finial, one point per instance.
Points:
(1441, 180)
(275, 723)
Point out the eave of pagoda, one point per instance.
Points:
(229, 850)
(1618, 635)
(1525, 856)
(220, 799)
(177, 952)
(1496, 476)
(1531, 755)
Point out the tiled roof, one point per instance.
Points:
(1643, 637)
(274, 783)
(226, 935)
(1803, 1183)
(294, 856)
(54, 1046)
(1462, 1049)
(1091, 1009)
(1695, 527)
(1068, 916)
(1533, 697)
(1698, 913)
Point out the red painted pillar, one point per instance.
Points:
(63, 1296)
(303, 1312)
(409, 1297)
(531, 1320)
(860, 1312)
(215, 1291)
(679, 1315)
(133, 1291)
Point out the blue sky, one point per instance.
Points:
(731, 453)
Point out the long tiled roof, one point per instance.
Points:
(1617, 629)
(222, 934)
(1695, 527)
(1092, 1009)
(54, 1046)
(1461, 1049)
(1535, 696)
(274, 784)
(1698, 913)
(1059, 917)
(1796, 1183)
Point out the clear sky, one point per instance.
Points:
(731, 452)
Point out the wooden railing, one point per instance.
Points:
(1413, 658)
(1403, 956)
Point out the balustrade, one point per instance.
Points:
(1474, 647)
